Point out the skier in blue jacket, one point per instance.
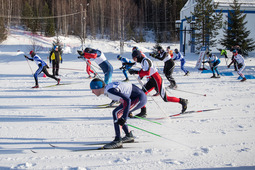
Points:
(126, 65)
(213, 61)
(131, 98)
(180, 57)
(42, 68)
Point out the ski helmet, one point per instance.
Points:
(97, 84)
(159, 48)
(55, 47)
(168, 47)
(134, 48)
(137, 54)
(32, 53)
(176, 50)
(119, 57)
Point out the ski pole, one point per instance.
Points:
(157, 135)
(144, 130)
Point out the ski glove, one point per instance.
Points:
(121, 121)
(131, 71)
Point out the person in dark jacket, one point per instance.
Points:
(55, 58)
(168, 65)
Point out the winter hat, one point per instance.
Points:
(97, 84)
(31, 52)
(119, 57)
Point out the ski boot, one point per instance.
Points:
(36, 86)
(243, 79)
(142, 113)
(126, 80)
(187, 73)
(184, 103)
(58, 81)
(172, 86)
(116, 143)
(213, 76)
(130, 115)
(129, 138)
(95, 74)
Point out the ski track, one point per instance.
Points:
(65, 116)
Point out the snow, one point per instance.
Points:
(65, 116)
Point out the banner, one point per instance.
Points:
(201, 57)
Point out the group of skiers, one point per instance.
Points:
(130, 96)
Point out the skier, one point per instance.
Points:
(213, 61)
(101, 60)
(42, 68)
(125, 66)
(89, 70)
(238, 58)
(180, 57)
(168, 65)
(131, 98)
(55, 58)
(154, 81)
(170, 52)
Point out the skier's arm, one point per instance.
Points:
(31, 59)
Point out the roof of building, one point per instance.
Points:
(223, 3)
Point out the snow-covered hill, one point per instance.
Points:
(66, 116)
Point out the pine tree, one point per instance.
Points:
(236, 33)
(207, 23)
(3, 32)
(49, 28)
(27, 13)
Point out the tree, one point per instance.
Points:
(49, 28)
(3, 32)
(236, 33)
(208, 22)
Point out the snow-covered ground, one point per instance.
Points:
(66, 116)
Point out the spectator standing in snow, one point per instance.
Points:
(42, 68)
(238, 58)
(168, 65)
(131, 98)
(180, 57)
(154, 81)
(55, 58)
(213, 61)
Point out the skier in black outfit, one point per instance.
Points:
(168, 65)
